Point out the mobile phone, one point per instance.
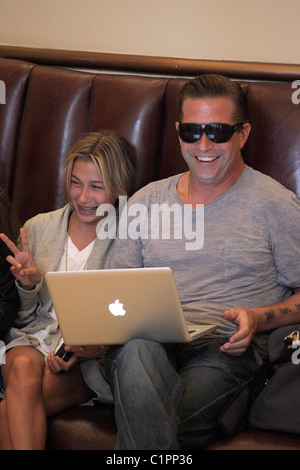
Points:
(63, 354)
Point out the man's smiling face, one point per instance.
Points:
(211, 163)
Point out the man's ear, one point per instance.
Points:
(244, 133)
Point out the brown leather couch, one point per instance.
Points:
(47, 108)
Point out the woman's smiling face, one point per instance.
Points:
(87, 190)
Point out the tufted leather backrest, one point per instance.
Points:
(133, 106)
(48, 108)
(273, 146)
(15, 75)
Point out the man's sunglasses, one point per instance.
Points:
(218, 133)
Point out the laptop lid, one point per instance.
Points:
(112, 306)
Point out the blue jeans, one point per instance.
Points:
(170, 396)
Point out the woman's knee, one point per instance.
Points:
(24, 371)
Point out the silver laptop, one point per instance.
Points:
(113, 306)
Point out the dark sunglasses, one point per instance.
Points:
(217, 132)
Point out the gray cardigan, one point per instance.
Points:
(47, 236)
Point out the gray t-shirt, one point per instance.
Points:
(249, 255)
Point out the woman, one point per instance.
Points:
(99, 169)
(9, 301)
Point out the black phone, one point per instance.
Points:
(63, 354)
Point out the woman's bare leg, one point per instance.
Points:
(5, 440)
(64, 390)
(26, 418)
(33, 392)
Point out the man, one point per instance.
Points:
(245, 274)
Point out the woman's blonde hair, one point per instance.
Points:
(112, 154)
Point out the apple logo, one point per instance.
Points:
(116, 308)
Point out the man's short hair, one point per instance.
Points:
(213, 86)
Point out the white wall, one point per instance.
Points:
(246, 30)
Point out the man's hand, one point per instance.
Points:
(246, 323)
(87, 351)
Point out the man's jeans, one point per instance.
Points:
(170, 396)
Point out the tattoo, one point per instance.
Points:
(270, 314)
(285, 310)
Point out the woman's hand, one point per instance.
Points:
(23, 266)
(57, 364)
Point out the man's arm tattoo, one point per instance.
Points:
(270, 314)
(285, 310)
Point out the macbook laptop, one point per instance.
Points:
(113, 306)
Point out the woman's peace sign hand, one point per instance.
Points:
(23, 266)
